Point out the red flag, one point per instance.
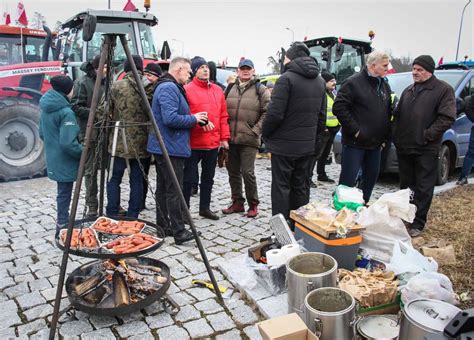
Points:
(6, 16)
(129, 6)
(22, 14)
(440, 61)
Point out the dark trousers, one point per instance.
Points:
(208, 159)
(356, 159)
(469, 159)
(418, 171)
(290, 183)
(170, 211)
(146, 163)
(90, 177)
(136, 188)
(63, 200)
(326, 146)
(241, 164)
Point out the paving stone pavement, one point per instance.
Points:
(29, 266)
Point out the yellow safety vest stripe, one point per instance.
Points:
(331, 119)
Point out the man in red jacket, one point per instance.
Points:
(204, 96)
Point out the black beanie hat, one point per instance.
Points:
(153, 69)
(297, 50)
(196, 63)
(95, 62)
(138, 63)
(62, 84)
(425, 61)
(327, 76)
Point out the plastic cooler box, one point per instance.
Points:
(344, 250)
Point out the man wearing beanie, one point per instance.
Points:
(204, 96)
(126, 107)
(296, 115)
(174, 119)
(59, 131)
(81, 102)
(426, 109)
(363, 107)
(326, 138)
(247, 100)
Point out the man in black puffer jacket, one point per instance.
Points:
(363, 107)
(296, 114)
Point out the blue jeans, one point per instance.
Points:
(208, 159)
(469, 159)
(355, 159)
(63, 200)
(136, 188)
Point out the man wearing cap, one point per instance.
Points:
(326, 138)
(205, 96)
(247, 101)
(174, 119)
(59, 131)
(152, 72)
(363, 107)
(296, 114)
(126, 107)
(81, 102)
(426, 109)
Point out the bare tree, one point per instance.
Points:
(401, 64)
(274, 64)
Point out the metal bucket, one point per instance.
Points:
(330, 313)
(307, 272)
(425, 317)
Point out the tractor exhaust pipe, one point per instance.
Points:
(47, 43)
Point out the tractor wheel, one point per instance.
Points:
(21, 149)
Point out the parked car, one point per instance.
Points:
(455, 140)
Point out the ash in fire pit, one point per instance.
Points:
(113, 287)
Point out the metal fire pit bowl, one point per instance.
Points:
(91, 268)
(103, 253)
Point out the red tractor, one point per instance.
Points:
(26, 65)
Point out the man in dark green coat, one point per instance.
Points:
(59, 131)
(81, 102)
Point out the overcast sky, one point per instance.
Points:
(256, 29)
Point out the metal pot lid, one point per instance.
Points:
(431, 314)
(379, 327)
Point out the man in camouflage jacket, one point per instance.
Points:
(126, 106)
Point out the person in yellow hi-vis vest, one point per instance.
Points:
(326, 138)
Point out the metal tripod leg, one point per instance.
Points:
(109, 40)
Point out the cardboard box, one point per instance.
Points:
(389, 308)
(287, 327)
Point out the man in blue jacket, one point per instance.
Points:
(171, 111)
(59, 131)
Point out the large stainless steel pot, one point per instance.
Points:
(331, 313)
(424, 317)
(306, 272)
(375, 327)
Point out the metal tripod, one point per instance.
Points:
(107, 47)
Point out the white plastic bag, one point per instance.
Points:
(429, 285)
(349, 194)
(405, 259)
(384, 225)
